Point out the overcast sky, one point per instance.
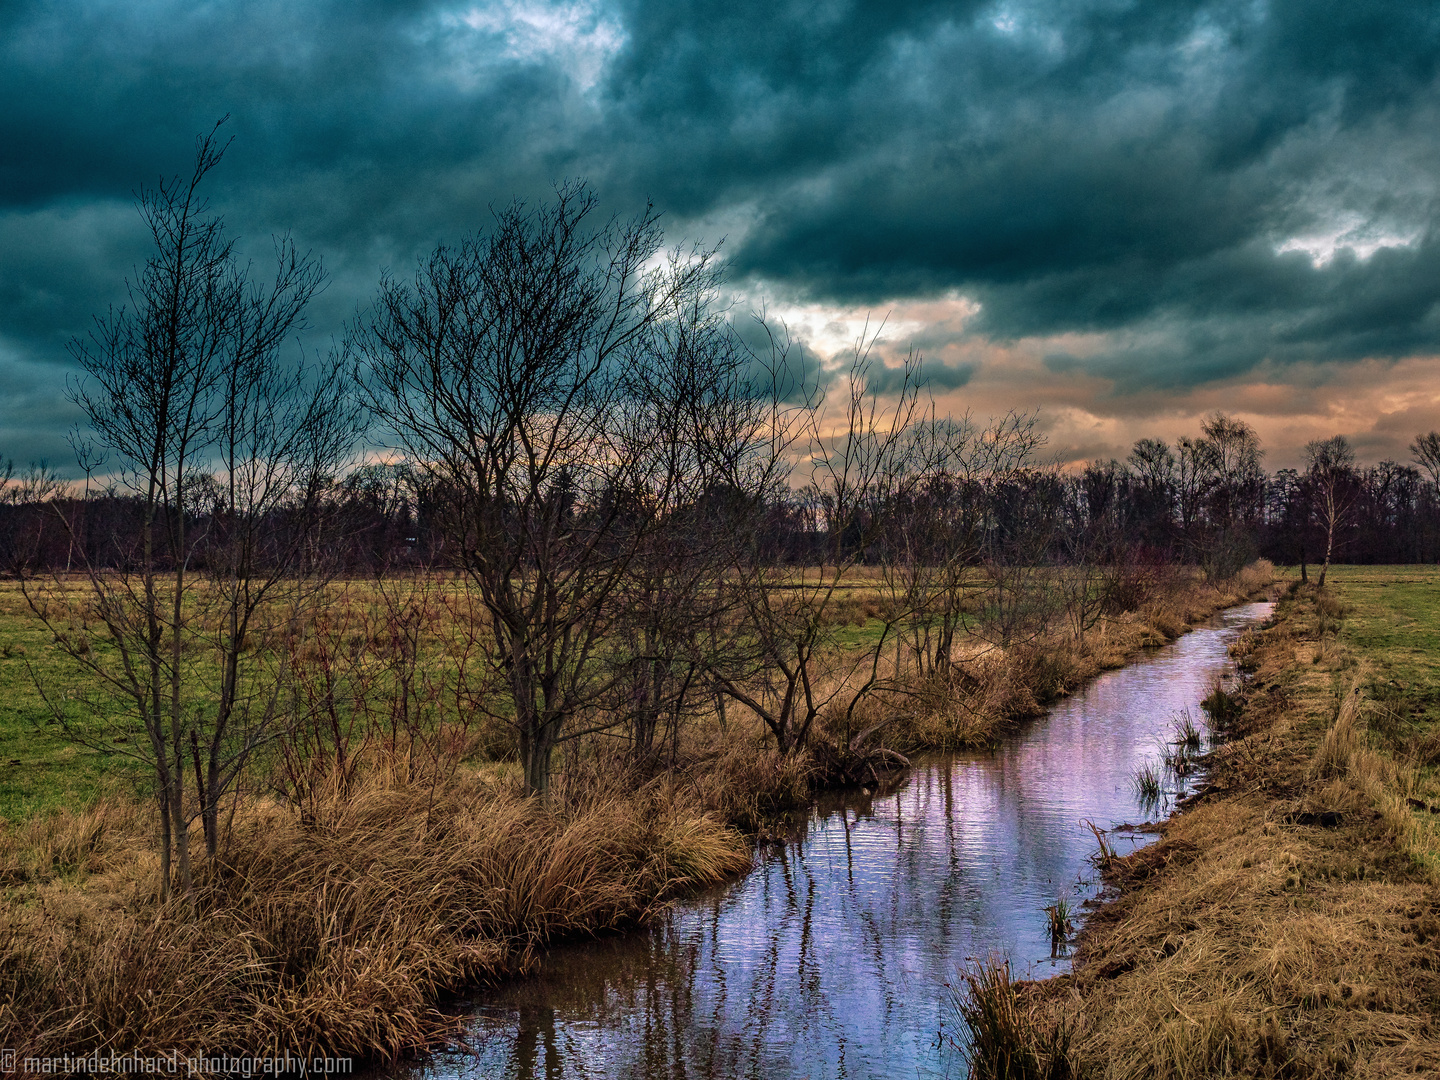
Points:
(1124, 214)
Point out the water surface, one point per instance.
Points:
(827, 960)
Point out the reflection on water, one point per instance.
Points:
(826, 961)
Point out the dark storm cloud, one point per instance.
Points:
(1102, 167)
(372, 130)
(933, 377)
(345, 110)
(1130, 170)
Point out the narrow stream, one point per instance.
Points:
(829, 958)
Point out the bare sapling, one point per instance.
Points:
(224, 447)
(784, 662)
(933, 556)
(1334, 490)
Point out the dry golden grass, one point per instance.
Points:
(748, 785)
(989, 688)
(1281, 928)
(1003, 1031)
(333, 933)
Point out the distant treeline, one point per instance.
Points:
(1204, 501)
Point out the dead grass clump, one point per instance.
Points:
(1342, 742)
(1224, 706)
(1110, 650)
(855, 609)
(1001, 1035)
(1165, 621)
(1256, 577)
(1328, 605)
(965, 705)
(971, 703)
(68, 842)
(334, 933)
(748, 786)
(963, 721)
(1214, 1038)
(1426, 749)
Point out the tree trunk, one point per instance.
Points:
(536, 749)
(202, 794)
(164, 797)
(177, 718)
(210, 807)
(1329, 545)
(180, 832)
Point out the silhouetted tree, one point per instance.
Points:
(522, 374)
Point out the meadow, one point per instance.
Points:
(343, 903)
(366, 630)
(40, 769)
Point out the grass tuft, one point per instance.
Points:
(1223, 706)
(1000, 1036)
(1059, 918)
(1147, 785)
(1187, 733)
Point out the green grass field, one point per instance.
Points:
(1393, 622)
(39, 767)
(1389, 627)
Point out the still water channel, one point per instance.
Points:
(827, 960)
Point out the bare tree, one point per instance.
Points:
(863, 464)
(522, 371)
(1195, 472)
(1024, 511)
(24, 514)
(1236, 497)
(939, 539)
(1153, 464)
(698, 412)
(1330, 465)
(1090, 548)
(185, 381)
(1220, 492)
(1425, 451)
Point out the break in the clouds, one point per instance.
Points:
(1119, 212)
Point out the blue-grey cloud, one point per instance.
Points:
(1208, 185)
